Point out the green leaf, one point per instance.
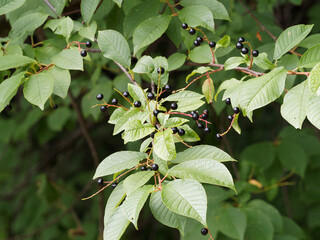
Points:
(270, 211)
(176, 60)
(310, 41)
(123, 121)
(58, 118)
(313, 111)
(292, 228)
(118, 2)
(197, 15)
(136, 180)
(314, 80)
(38, 88)
(88, 31)
(116, 225)
(149, 30)
(294, 107)
(217, 8)
(189, 136)
(145, 145)
(135, 130)
(208, 90)
(137, 94)
(69, 59)
(144, 65)
(185, 95)
(164, 145)
(114, 200)
(115, 47)
(201, 54)
(163, 165)
(134, 203)
(65, 28)
(232, 222)
(116, 115)
(164, 215)
(27, 24)
(292, 156)
(260, 225)
(160, 62)
(9, 88)
(263, 62)
(310, 58)
(8, 6)
(203, 152)
(62, 80)
(175, 122)
(258, 92)
(187, 198)
(88, 7)
(118, 161)
(235, 124)
(289, 38)
(223, 42)
(200, 70)
(13, 61)
(233, 62)
(186, 106)
(204, 171)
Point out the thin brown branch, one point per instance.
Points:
(51, 7)
(125, 72)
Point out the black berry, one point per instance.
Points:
(100, 181)
(255, 53)
(196, 43)
(88, 44)
(143, 168)
(218, 136)
(204, 116)
(126, 94)
(244, 50)
(207, 130)
(160, 70)
(103, 108)
(113, 185)
(230, 118)
(195, 116)
(152, 135)
(55, 106)
(206, 112)
(192, 31)
(200, 39)
(181, 132)
(150, 96)
(156, 112)
(167, 87)
(184, 25)
(200, 126)
(174, 130)
(154, 167)
(241, 39)
(239, 45)
(192, 112)
(174, 106)
(236, 110)
(99, 96)
(137, 104)
(114, 101)
(204, 231)
(212, 44)
(228, 101)
(83, 53)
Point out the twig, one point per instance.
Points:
(51, 7)
(125, 72)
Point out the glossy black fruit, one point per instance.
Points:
(200, 126)
(113, 185)
(99, 96)
(236, 110)
(192, 112)
(228, 101)
(167, 87)
(181, 132)
(150, 96)
(152, 135)
(207, 130)
(184, 25)
(244, 50)
(83, 53)
(137, 104)
(196, 43)
(174, 106)
(103, 108)
(54, 106)
(88, 44)
(114, 101)
(212, 44)
(192, 31)
(206, 112)
(143, 168)
(100, 181)
(241, 39)
(204, 116)
(200, 39)
(195, 116)
(156, 112)
(204, 231)
(239, 45)
(230, 118)
(218, 136)
(126, 94)
(174, 130)
(255, 53)
(160, 70)
(154, 167)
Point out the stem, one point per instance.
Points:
(52, 8)
(127, 74)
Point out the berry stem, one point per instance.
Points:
(189, 115)
(124, 97)
(233, 117)
(207, 40)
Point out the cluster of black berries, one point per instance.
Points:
(154, 167)
(245, 50)
(205, 115)
(84, 53)
(180, 131)
(101, 182)
(199, 40)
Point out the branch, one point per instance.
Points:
(125, 72)
(51, 7)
